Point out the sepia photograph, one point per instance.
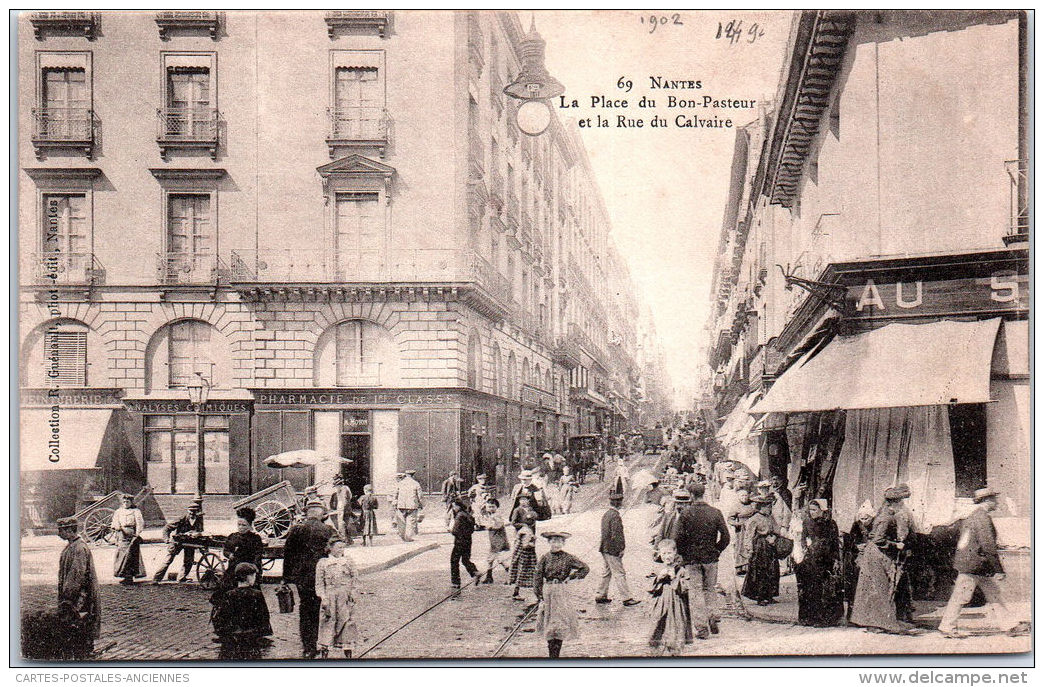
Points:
(520, 337)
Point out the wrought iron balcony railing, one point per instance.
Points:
(187, 127)
(172, 20)
(63, 20)
(317, 266)
(63, 124)
(59, 267)
(175, 268)
(1018, 226)
(354, 20)
(358, 127)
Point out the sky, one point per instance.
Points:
(665, 188)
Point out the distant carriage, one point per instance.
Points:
(586, 455)
(96, 519)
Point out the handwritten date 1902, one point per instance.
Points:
(655, 20)
(733, 32)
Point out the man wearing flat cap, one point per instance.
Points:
(978, 566)
(305, 545)
(79, 608)
(191, 521)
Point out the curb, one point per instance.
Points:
(401, 558)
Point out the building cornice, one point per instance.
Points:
(61, 173)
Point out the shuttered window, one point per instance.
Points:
(358, 357)
(65, 357)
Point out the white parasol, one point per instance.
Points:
(302, 458)
(642, 479)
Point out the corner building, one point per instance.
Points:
(327, 219)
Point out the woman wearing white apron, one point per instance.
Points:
(557, 618)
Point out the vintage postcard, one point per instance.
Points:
(392, 334)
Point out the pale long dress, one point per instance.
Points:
(335, 580)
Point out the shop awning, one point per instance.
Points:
(79, 430)
(898, 365)
(738, 423)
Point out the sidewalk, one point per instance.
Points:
(39, 561)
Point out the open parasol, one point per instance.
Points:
(302, 458)
(642, 479)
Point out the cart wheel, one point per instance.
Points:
(209, 570)
(273, 518)
(96, 525)
(267, 563)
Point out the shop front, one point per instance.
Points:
(921, 377)
(77, 445)
(381, 432)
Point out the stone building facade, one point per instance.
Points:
(349, 245)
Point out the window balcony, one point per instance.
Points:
(1018, 226)
(358, 21)
(62, 268)
(358, 129)
(175, 268)
(188, 20)
(85, 23)
(187, 128)
(496, 187)
(63, 128)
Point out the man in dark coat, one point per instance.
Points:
(977, 564)
(79, 609)
(701, 535)
(305, 545)
(192, 521)
(612, 549)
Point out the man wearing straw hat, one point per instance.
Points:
(305, 545)
(978, 565)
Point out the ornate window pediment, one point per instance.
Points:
(355, 172)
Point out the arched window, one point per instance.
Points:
(356, 353)
(512, 375)
(525, 371)
(183, 352)
(55, 354)
(538, 375)
(549, 385)
(474, 361)
(495, 380)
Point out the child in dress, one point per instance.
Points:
(499, 550)
(524, 514)
(523, 561)
(335, 580)
(368, 504)
(672, 628)
(241, 620)
(557, 614)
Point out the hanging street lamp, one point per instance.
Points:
(534, 86)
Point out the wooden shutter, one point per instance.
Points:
(65, 355)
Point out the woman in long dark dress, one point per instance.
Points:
(243, 546)
(759, 542)
(819, 572)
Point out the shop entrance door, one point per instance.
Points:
(356, 474)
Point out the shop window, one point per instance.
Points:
(186, 454)
(65, 355)
(968, 437)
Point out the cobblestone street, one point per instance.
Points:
(171, 622)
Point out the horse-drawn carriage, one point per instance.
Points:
(586, 455)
